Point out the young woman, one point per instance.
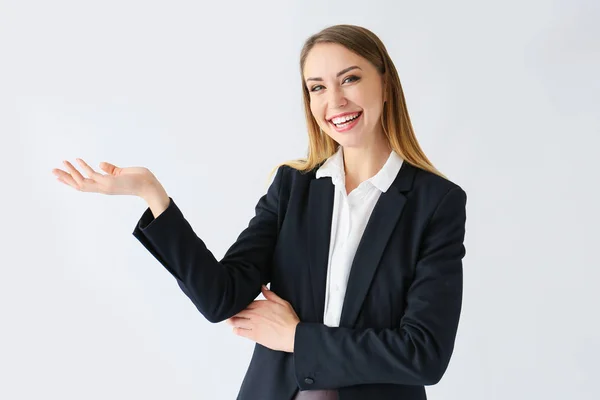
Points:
(361, 241)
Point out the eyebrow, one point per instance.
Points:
(342, 72)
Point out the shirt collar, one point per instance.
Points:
(334, 167)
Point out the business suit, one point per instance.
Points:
(404, 293)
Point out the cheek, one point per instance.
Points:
(317, 110)
(369, 99)
(374, 104)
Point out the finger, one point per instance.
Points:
(257, 303)
(74, 173)
(243, 323)
(83, 184)
(266, 291)
(65, 178)
(247, 333)
(88, 170)
(272, 296)
(246, 314)
(108, 168)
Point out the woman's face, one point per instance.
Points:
(346, 94)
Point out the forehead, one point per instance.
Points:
(326, 59)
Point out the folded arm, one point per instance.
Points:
(219, 289)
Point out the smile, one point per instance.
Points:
(345, 123)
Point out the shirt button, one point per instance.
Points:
(308, 380)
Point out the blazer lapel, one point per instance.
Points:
(320, 210)
(379, 228)
(377, 233)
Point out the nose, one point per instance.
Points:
(336, 98)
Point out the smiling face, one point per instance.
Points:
(346, 95)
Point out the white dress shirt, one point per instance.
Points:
(351, 213)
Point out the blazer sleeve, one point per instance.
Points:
(418, 351)
(219, 289)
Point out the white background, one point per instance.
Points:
(504, 99)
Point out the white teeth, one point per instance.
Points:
(345, 118)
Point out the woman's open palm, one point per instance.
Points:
(124, 181)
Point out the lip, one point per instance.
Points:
(349, 127)
(342, 114)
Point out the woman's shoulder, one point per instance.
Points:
(432, 187)
(292, 174)
(428, 179)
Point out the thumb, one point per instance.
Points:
(270, 295)
(108, 168)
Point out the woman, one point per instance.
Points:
(362, 242)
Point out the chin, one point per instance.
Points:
(349, 144)
(349, 141)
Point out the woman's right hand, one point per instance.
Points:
(125, 181)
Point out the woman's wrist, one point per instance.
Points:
(156, 196)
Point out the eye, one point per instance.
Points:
(351, 78)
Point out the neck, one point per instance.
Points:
(361, 163)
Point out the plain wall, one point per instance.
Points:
(504, 100)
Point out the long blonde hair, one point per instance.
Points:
(394, 118)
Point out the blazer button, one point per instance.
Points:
(308, 380)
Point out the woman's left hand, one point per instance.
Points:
(271, 322)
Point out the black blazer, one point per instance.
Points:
(403, 300)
